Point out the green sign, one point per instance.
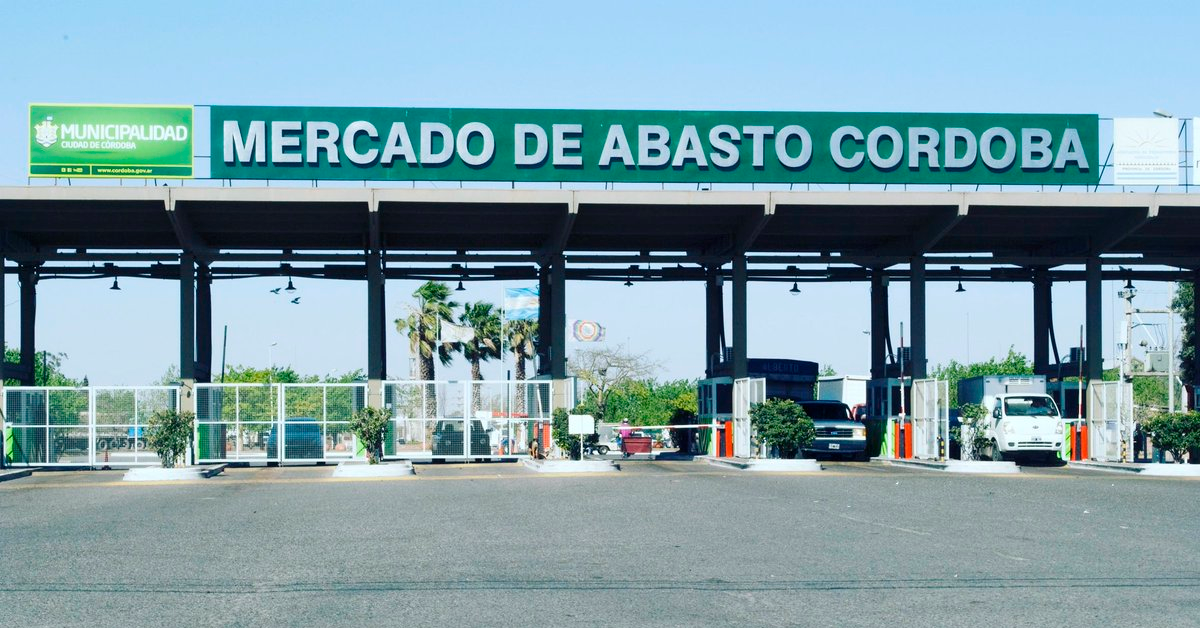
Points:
(110, 141)
(360, 143)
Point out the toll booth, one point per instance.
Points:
(883, 406)
(1067, 396)
(785, 379)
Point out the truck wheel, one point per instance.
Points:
(997, 455)
(602, 450)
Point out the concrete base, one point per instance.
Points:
(360, 469)
(954, 466)
(798, 465)
(571, 466)
(12, 474)
(1160, 469)
(178, 474)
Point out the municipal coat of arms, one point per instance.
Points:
(46, 132)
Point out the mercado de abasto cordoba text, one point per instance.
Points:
(649, 145)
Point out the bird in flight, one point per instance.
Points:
(276, 290)
(296, 300)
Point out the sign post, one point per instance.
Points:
(581, 425)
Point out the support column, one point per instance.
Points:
(558, 317)
(204, 351)
(28, 277)
(741, 363)
(916, 316)
(1195, 335)
(3, 338)
(1041, 321)
(545, 336)
(714, 320)
(1092, 319)
(879, 323)
(376, 339)
(187, 331)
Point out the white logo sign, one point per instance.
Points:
(46, 132)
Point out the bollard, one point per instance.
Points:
(941, 449)
(1124, 450)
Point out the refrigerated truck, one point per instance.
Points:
(1022, 420)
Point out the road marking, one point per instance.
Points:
(1024, 560)
(884, 525)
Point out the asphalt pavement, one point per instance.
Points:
(657, 544)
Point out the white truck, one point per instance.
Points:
(1023, 421)
(1025, 424)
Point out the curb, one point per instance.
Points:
(571, 466)
(1161, 469)
(954, 466)
(14, 474)
(798, 465)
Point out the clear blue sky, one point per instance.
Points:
(1114, 59)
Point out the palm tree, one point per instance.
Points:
(485, 345)
(422, 325)
(522, 342)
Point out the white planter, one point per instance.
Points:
(360, 469)
(177, 474)
(980, 466)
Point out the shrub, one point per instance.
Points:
(169, 434)
(782, 423)
(370, 426)
(973, 434)
(1175, 432)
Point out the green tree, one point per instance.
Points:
(422, 324)
(47, 368)
(784, 424)
(485, 345)
(827, 371)
(643, 401)
(1012, 364)
(1176, 432)
(604, 369)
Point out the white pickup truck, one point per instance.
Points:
(1024, 425)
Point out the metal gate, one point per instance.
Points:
(121, 414)
(1110, 421)
(746, 393)
(314, 422)
(235, 421)
(50, 426)
(930, 417)
(98, 426)
(464, 420)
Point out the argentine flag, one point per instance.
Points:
(521, 304)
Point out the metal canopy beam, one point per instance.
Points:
(1114, 232)
(189, 240)
(562, 230)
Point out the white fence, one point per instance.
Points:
(930, 418)
(1110, 421)
(746, 393)
(50, 426)
(271, 423)
(464, 420)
